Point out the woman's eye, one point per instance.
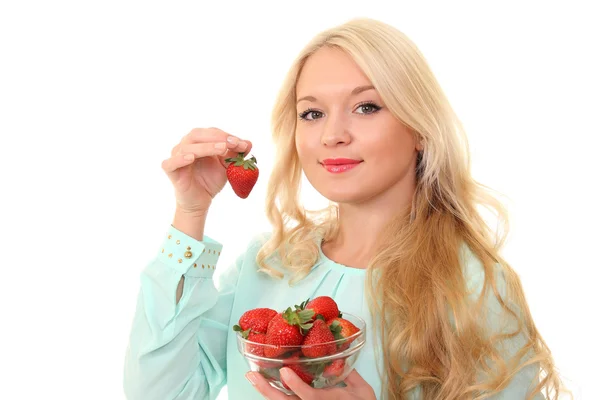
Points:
(311, 115)
(369, 108)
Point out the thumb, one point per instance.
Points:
(355, 380)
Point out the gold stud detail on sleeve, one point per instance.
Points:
(187, 254)
(189, 248)
(169, 237)
(203, 250)
(219, 253)
(195, 265)
(163, 250)
(170, 255)
(178, 241)
(180, 261)
(202, 266)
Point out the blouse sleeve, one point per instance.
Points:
(178, 350)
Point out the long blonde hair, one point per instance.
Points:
(416, 280)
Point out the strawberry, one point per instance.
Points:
(342, 328)
(302, 372)
(335, 369)
(259, 349)
(287, 329)
(256, 319)
(256, 338)
(319, 333)
(242, 174)
(324, 306)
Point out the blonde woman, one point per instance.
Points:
(402, 244)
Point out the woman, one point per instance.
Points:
(402, 244)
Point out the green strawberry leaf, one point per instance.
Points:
(336, 329)
(316, 369)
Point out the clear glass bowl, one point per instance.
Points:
(323, 372)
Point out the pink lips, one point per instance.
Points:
(339, 165)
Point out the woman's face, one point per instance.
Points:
(342, 116)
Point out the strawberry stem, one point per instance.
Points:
(301, 318)
(239, 161)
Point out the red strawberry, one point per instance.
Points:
(256, 338)
(303, 373)
(242, 174)
(336, 368)
(258, 349)
(323, 305)
(287, 329)
(342, 328)
(256, 319)
(319, 333)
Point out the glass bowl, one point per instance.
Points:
(321, 372)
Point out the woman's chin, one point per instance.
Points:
(344, 196)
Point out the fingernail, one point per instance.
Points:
(243, 146)
(284, 373)
(188, 157)
(220, 145)
(251, 378)
(232, 140)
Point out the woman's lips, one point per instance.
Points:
(338, 166)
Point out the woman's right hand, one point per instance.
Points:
(197, 167)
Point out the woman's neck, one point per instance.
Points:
(360, 225)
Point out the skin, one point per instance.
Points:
(356, 388)
(343, 126)
(346, 122)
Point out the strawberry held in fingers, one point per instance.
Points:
(242, 174)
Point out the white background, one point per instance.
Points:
(93, 95)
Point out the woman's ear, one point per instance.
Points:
(419, 146)
(418, 140)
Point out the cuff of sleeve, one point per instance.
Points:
(189, 256)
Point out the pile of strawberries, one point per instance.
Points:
(311, 326)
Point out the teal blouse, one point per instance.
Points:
(187, 350)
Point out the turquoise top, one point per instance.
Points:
(189, 351)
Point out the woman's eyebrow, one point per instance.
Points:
(354, 92)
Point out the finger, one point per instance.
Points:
(203, 135)
(200, 135)
(243, 147)
(172, 164)
(355, 380)
(269, 392)
(182, 158)
(296, 384)
(204, 149)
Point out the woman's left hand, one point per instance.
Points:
(356, 388)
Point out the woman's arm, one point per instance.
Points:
(177, 345)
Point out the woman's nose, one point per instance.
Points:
(335, 131)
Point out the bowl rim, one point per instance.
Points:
(361, 332)
(344, 354)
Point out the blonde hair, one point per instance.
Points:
(416, 280)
